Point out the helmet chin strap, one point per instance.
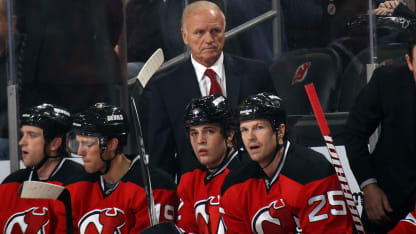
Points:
(227, 152)
(278, 147)
(107, 162)
(46, 156)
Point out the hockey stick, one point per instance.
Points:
(147, 71)
(336, 162)
(144, 162)
(163, 227)
(150, 67)
(42, 190)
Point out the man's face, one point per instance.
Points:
(204, 34)
(259, 140)
(208, 144)
(89, 150)
(32, 145)
(411, 63)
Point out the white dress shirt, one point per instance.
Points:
(204, 81)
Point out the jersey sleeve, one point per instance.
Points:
(166, 201)
(142, 218)
(322, 207)
(59, 214)
(76, 200)
(186, 220)
(406, 225)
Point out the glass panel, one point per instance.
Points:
(5, 25)
(71, 54)
(74, 53)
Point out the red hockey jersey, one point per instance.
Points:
(199, 193)
(124, 209)
(18, 215)
(304, 191)
(406, 225)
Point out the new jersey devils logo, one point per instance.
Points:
(267, 216)
(108, 220)
(301, 73)
(207, 214)
(32, 220)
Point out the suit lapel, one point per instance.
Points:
(188, 84)
(191, 82)
(233, 79)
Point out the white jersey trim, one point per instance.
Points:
(410, 219)
(281, 164)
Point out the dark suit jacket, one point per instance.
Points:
(67, 56)
(171, 92)
(390, 100)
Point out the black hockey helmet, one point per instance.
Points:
(103, 121)
(53, 120)
(263, 106)
(209, 109)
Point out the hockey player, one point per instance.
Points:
(112, 199)
(282, 177)
(43, 130)
(210, 126)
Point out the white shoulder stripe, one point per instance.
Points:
(410, 218)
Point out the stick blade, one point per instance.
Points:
(150, 67)
(40, 190)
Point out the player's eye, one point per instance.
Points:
(33, 135)
(87, 144)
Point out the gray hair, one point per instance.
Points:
(199, 6)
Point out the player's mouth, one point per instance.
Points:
(85, 161)
(254, 148)
(203, 152)
(24, 153)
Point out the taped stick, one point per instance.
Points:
(42, 190)
(335, 161)
(150, 67)
(148, 70)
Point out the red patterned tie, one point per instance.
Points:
(215, 87)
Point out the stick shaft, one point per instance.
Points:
(145, 168)
(335, 161)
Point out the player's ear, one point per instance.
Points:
(281, 132)
(230, 138)
(55, 143)
(409, 62)
(112, 144)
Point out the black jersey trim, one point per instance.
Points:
(305, 165)
(209, 176)
(250, 170)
